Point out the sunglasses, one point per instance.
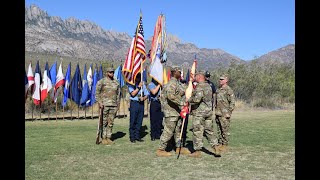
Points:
(111, 72)
(221, 79)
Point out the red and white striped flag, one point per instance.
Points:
(46, 85)
(30, 77)
(191, 79)
(59, 82)
(37, 83)
(136, 55)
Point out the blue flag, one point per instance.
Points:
(100, 73)
(76, 86)
(52, 76)
(118, 76)
(26, 84)
(144, 73)
(66, 86)
(53, 73)
(187, 76)
(93, 88)
(85, 89)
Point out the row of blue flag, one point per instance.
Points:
(80, 89)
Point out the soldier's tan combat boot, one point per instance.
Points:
(104, 141)
(223, 148)
(109, 141)
(216, 150)
(182, 150)
(162, 153)
(195, 154)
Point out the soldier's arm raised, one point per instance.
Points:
(174, 94)
(155, 90)
(135, 90)
(196, 96)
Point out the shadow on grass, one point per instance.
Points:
(143, 130)
(117, 135)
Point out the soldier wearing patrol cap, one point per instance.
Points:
(110, 69)
(201, 112)
(172, 99)
(107, 90)
(225, 103)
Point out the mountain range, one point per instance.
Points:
(87, 40)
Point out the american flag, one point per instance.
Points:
(136, 55)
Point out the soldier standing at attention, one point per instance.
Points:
(107, 90)
(201, 111)
(136, 108)
(225, 103)
(172, 100)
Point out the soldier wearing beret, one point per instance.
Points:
(225, 103)
(107, 90)
(172, 99)
(201, 111)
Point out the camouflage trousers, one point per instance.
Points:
(223, 126)
(109, 113)
(203, 126)
(171, 127)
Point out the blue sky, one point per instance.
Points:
(244, 28)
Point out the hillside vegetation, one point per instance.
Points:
(271, 86)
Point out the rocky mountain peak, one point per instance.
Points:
(87, 40)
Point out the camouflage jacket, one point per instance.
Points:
(225, 101)
(172, 98)
(200, 100)
(107, 92)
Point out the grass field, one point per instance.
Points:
(262, 146)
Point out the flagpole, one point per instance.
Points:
(71, 111)
(85, 112)
(123, 103)
(40, 110)
(92, 111)
(63, 111)
(48, 108)
(56, 111)
(32, 105)
(141, 73)
(78, 112)
(71, 104)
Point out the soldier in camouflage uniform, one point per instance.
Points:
(201, 111)
(225, 103)
(172, 100)
(107, 90)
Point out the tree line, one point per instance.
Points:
(269, 86)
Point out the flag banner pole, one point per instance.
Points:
(92, 111)
(85, 112)
(40, 110)
(56, 111)
(78, 112)
(48, 108)
(123, 104)
(141, 75)
(71, 111)
(32, 106)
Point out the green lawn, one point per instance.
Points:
(262, 146)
